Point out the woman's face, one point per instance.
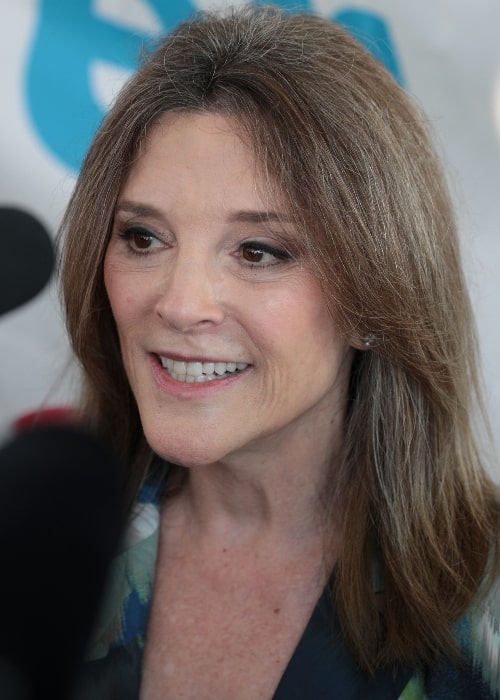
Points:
(225, 335)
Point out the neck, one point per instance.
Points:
(265, 495)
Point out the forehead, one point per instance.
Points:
(205, 151)
(199, 135)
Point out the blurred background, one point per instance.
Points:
(63, 62)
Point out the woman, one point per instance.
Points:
(263, 286)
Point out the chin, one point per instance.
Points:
(184, 453)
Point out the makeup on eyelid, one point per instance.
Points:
(142, 241)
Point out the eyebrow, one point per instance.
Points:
(138, 209)
(245, 216)
(260, 217)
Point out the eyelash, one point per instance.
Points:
(127, 234)
(279, 255)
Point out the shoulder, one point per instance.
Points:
(481, 641)
(477, 675)
(114, 657)
(125, 610)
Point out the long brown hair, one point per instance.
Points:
(353, 157)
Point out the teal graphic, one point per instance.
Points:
(292, 5)
(373, 32)
(70, 37)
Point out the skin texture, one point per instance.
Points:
(186, 284)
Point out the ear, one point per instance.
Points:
(365, 342)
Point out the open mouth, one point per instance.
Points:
(196, 372)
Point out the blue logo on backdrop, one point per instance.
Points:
(372, 31)
(72, 38)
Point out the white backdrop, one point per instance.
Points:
(62, 61)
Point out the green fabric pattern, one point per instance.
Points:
(132, 573)
(414, 690)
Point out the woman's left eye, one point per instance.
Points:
(262, 254)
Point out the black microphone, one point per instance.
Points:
(26, 258)
(61, 519)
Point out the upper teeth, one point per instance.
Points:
(199, 371)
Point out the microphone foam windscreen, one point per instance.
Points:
(61, 517)
(26, 260)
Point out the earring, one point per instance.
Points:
(368, 341)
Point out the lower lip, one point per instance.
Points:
(190, 390)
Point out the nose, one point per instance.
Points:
(190, 295)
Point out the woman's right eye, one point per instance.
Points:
(140, 240)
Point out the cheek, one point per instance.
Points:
(302, 314)
(120, 290)
(112, 280)
(313, 340)
(290, 322)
